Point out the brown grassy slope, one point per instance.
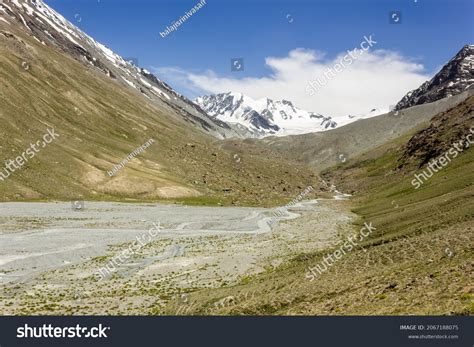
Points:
(100, 122)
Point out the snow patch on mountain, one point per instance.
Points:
(263, 117)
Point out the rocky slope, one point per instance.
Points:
(454, 78)
(454, 126)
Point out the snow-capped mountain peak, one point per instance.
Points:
(264, 116)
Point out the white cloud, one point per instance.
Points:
(376, 79)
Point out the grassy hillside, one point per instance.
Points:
(99, 123)
(382, 179)
(419, 260)
(324, 149)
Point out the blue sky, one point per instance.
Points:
(430, 33)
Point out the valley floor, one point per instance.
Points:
(225, 262)
(50, 254)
